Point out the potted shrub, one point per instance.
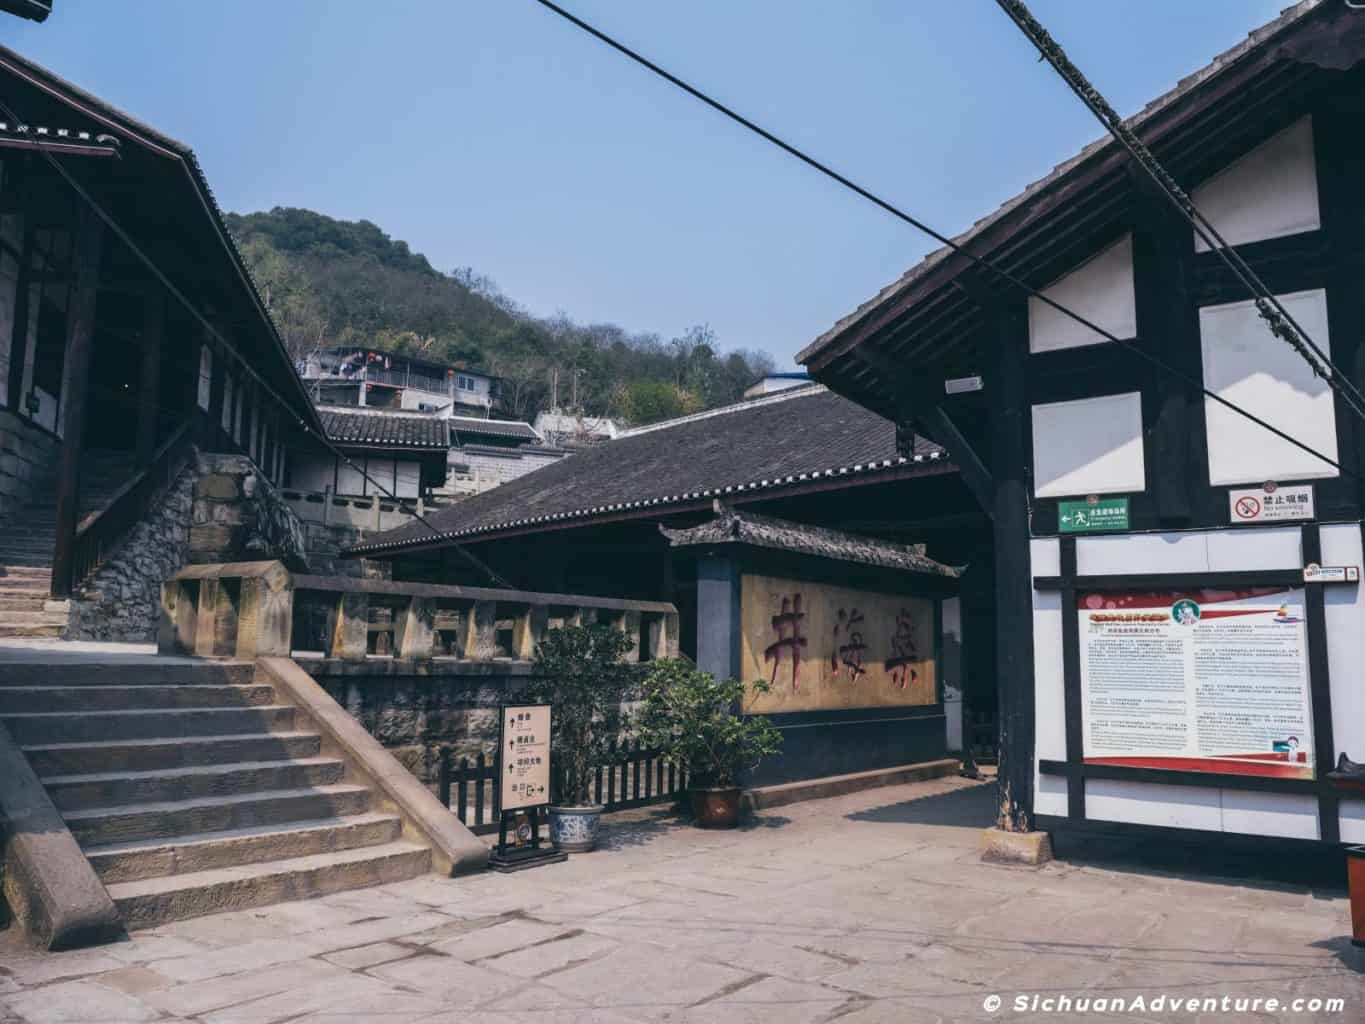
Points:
(580, 672)
(694, 719)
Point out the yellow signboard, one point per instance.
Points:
(824, 647)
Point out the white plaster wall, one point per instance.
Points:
(1049, 701)
(1100, 290)
(1345, 613)
(1269, 193)
(1248, 366)
(951, 618)
(1088, 446)
(1193, 807)
(313, 473)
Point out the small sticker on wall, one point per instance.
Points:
(1314, 573)
(1270, 504)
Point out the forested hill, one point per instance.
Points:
(332, 282)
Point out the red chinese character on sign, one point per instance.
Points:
(904, 652)
(848, 655)
(787, 625)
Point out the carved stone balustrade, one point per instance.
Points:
(258, 609)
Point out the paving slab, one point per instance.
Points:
(861, 909)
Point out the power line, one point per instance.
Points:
(1281, 323)
(265, 386)
(919, 225)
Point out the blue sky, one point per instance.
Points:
(492, 134)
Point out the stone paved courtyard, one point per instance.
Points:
(865, 908)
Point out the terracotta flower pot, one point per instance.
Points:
(574, 829)
(716, 807)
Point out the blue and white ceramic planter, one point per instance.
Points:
(574, 829)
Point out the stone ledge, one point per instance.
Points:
(764, 797)
(1001, 847)
(49, 885)
(454, 849)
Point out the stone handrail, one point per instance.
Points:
(247, 610)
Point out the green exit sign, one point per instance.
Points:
(1089, 516)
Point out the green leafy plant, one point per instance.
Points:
(580, 672)
(694, 719)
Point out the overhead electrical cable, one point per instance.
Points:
(1281, 323)
(228, 347)
(899, 214)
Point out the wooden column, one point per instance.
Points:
(18, 345)
(1010, 456)
(149, 389)
(75, 392)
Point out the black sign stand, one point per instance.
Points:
(518, 857)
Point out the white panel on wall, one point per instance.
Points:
(1269, 193)
(1246, 365)
(1142, 552)
(1345, 615)
(350, 481)
(1268, 548)
(1100, 290)
(409, 479)
(1049, 795)
(313, 473)
(1353, 821)
(1049, 692)
(1153, 803)
(1045, 556)
(1088, 446)
(1287, 815)
(379, 477)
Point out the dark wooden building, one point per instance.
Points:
(129, 326)
(1171, 653)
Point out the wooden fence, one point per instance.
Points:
(632, 777)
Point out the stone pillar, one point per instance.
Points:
(480, 631)
(528, 631)
(416, 629)
(629, 623)
(265, 619)
(179, 616)
(351, 632)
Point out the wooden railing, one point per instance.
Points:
(254, 609)
(101, 532)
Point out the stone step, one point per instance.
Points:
(32, 632)
(155, 901)
(101, 826)
(168, 752)
(26, 572)
(151, 672)
(32, 618)
(84, 727)
(157, 858)
(31, 601)
(131, 698)
(112, 789)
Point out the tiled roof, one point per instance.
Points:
(733, 527)
(791, 438)
(58, 140)
(384, 429)
(1288, 17)
(462, 427)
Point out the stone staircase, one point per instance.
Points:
(192, 790)
(28, 536)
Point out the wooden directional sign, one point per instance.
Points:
(525, 759)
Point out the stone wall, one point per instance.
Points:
(122, 601)
(415, 712)
(220, 509)
(239, 516)
(28, 455)
(323, 544)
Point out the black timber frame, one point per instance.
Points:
(1074, 768)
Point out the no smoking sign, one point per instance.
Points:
(1271, 504)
